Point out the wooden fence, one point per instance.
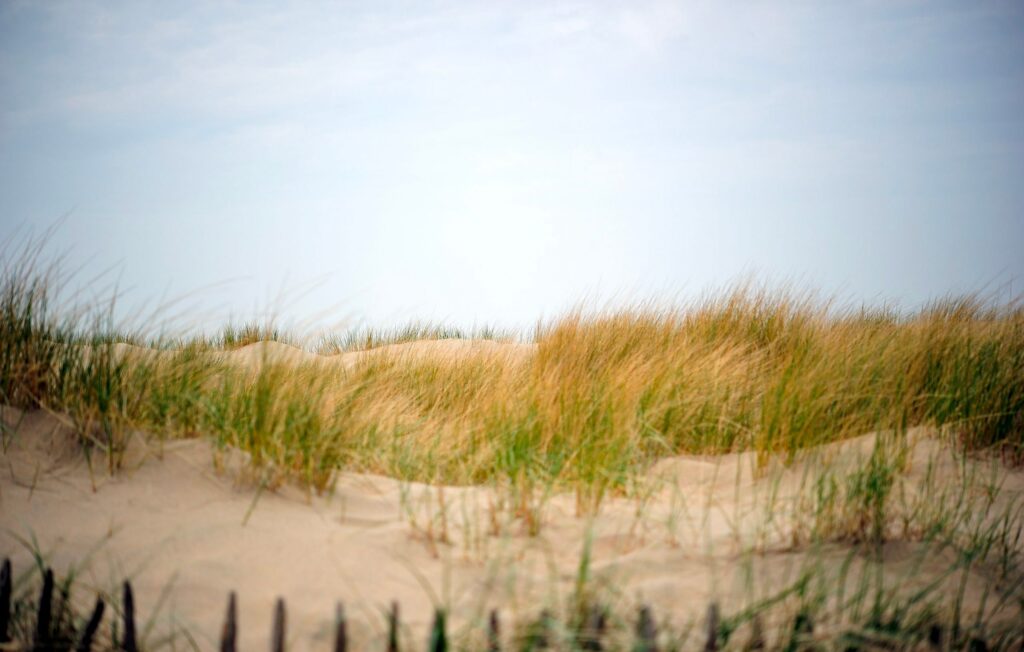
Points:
(591, 635)
(54, 632)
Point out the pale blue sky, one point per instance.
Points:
(498, 161)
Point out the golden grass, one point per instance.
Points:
(588, 405)
(594, 401)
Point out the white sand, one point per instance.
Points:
(169, 520)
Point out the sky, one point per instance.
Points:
(499, 162)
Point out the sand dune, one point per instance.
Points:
(183, 516)
(253, 355)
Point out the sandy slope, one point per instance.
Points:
(170, 519)
(259, 353)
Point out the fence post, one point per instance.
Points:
(43, 626)
(493, 632)
(712, 643)
(277, 637)
(593, 629)
(393, 628)
(756, 635)
(646, 631)
(85, 642)
(340, 633)
(229, 633)
(128, 604)
(5, 600)
(438, 638)
(803, 623)
(803, 627)
(539, 637)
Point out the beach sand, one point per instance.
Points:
(187, 523)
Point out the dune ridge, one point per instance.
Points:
(256, 354)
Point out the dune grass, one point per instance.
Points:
(590, 403)
(363, 338)
(587, 404)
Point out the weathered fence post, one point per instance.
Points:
(646, 631)
(977, 644)
(277, 636)
(803, 627)
(340, 633)
(438, 637)
(493, 632)
(712, 642)
(803, 623)
(757, 641)
(43, 620)
(593, 629)
(229, 633)
(85, 642)
(128, 603)
(393, 628)
(5, 600)
(543, 639)
(539, 636)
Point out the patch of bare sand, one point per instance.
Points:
(170, 519)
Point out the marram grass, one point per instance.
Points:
(588, 403)
(592, 401)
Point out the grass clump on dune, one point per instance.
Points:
(363, 339)
(234, 337)
(590, 403)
